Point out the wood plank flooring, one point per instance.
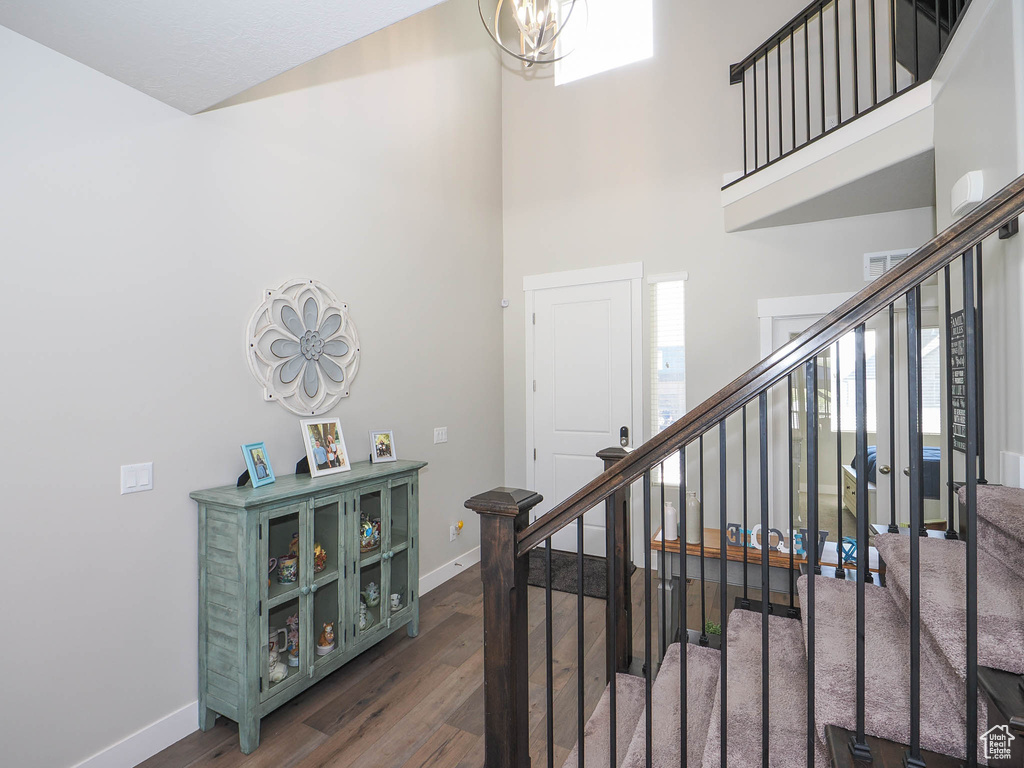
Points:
(418, 703)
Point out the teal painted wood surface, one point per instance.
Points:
(241, 605)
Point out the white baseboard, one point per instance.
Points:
(145, 743)
(439, 576)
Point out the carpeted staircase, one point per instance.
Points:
(943, 660)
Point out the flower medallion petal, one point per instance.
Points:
(302, 347)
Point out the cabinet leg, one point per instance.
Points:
(207, 717)
(249, 735)
(413, 627)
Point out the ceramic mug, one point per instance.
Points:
(396, 601)
(288, 570)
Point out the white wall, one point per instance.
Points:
(627, 166)
(135, 242)
(978, 122)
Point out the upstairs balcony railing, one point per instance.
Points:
(833, 62)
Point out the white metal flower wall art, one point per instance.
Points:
(302, 347)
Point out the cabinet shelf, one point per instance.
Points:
(281, 593)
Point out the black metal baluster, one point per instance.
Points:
(700, 487)
(549, 646)
(753, 70)
(821, 46)
(839, 77)
(856, 59)
(581, 720)
(792, 499)
(970, 344)
(950, 491)
(811, 543)
(661, 562)
(681, 596)
(892, 44)
(792, 84)
(917, 45)
(648, 650)
(893, 526)
(938, 28)
(807, 79)
(744, 90)
(979, 354)
(765, 583)
(914, 758)
(723, 581)
(610, 538)
(859, 746)
(743, 540)
(874, 53)
(778, 75)
(767, 110)
(838, 407)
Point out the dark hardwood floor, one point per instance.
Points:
(418, 703)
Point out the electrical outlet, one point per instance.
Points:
(136, 477)
(440, 435)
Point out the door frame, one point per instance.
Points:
(784, 308)
(634, 273)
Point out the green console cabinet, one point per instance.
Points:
(245, 606)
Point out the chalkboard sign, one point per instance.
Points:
(958, 372)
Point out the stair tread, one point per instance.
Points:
(887, 679)
(787, 716)
(944, 601)
(629, 708)
(702, 666)
(1001, 507)
(1001, 524)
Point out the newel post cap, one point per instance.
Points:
(508, 502)
(613, 454)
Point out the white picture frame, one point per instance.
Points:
(317, 437)
(382, 446)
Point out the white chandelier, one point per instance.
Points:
(532, 30)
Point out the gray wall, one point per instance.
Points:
(978, 123)
(135, 243)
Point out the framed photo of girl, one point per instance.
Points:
(258, 463)
(382, 446)
(325, 447)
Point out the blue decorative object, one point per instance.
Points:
(849, 550)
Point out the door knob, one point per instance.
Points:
(313, 588)
(304, 590)
(906, 471)
(885, 469)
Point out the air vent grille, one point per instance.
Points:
(877, 264)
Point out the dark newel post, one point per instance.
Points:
(503, 513)
(619, 623)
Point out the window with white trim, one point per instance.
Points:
(668, 361)
(614, 33)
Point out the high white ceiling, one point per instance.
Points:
(193, 54)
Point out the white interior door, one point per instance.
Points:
(932, 392)
(583, 393)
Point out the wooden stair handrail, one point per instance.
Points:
(1000, 209)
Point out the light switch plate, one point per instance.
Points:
(136, 477)
(440, 435)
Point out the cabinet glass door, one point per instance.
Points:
(370, 613)
(327, 556)
(282, 604)
(397, 555)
